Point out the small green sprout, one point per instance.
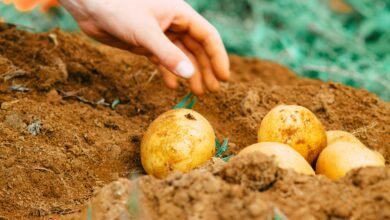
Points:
(279, 215)
(133, 205)
(221, 149)
(182, 104)
(115, 103)
(89, 214)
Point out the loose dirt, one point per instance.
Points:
(64, 152)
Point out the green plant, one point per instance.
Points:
(221, 149)
(189, 97)
(133, 200)
(89, 214)
(115, 103)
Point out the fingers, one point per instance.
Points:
(208, 76)
(169, 78)
(169, 55)
(196, 81)
(203, 32)
(200, 60)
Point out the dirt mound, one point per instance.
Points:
(202, 195)
(197, 195)
(61, 141)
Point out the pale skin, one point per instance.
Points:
(169, 32)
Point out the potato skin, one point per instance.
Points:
(338, 135)
(285, 157)
(340, 157)
(295, 126)
(179, 139)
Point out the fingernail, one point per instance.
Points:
(185, 69)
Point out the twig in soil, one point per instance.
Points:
(14, 72)
(61, 211)
(102, 102)
(83, 150)
(19, 88)
(53, 38)
(79, 98)
(72, 95)
(154, 73)
(364, 129)
(20, 150)
(43, 169)
(135, 76)
(66, 185)
(77, 139)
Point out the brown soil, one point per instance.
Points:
(61, 142)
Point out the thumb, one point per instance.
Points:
(169, 55)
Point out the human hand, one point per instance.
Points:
(169, 32)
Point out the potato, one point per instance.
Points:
(337, 135)
(295, 126)
(285, 157)
(340, 157)
(180, 139)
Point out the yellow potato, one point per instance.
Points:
(295, 126)
(180, 139)
(337, 135)
(285, 157)
(340, 157)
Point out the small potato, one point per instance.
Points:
(340, 157)
(285, 157)
(295, 126)
(337, 135)
(179, 139)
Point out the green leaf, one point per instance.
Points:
(133, 205)
(279, 215)
(89, 214)
(221, 148)
(192, 103)
(217, 144)
(182, 104)
(115, 103)
(227, 158)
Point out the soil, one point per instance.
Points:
(65, 152)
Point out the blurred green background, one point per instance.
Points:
(347, 43)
